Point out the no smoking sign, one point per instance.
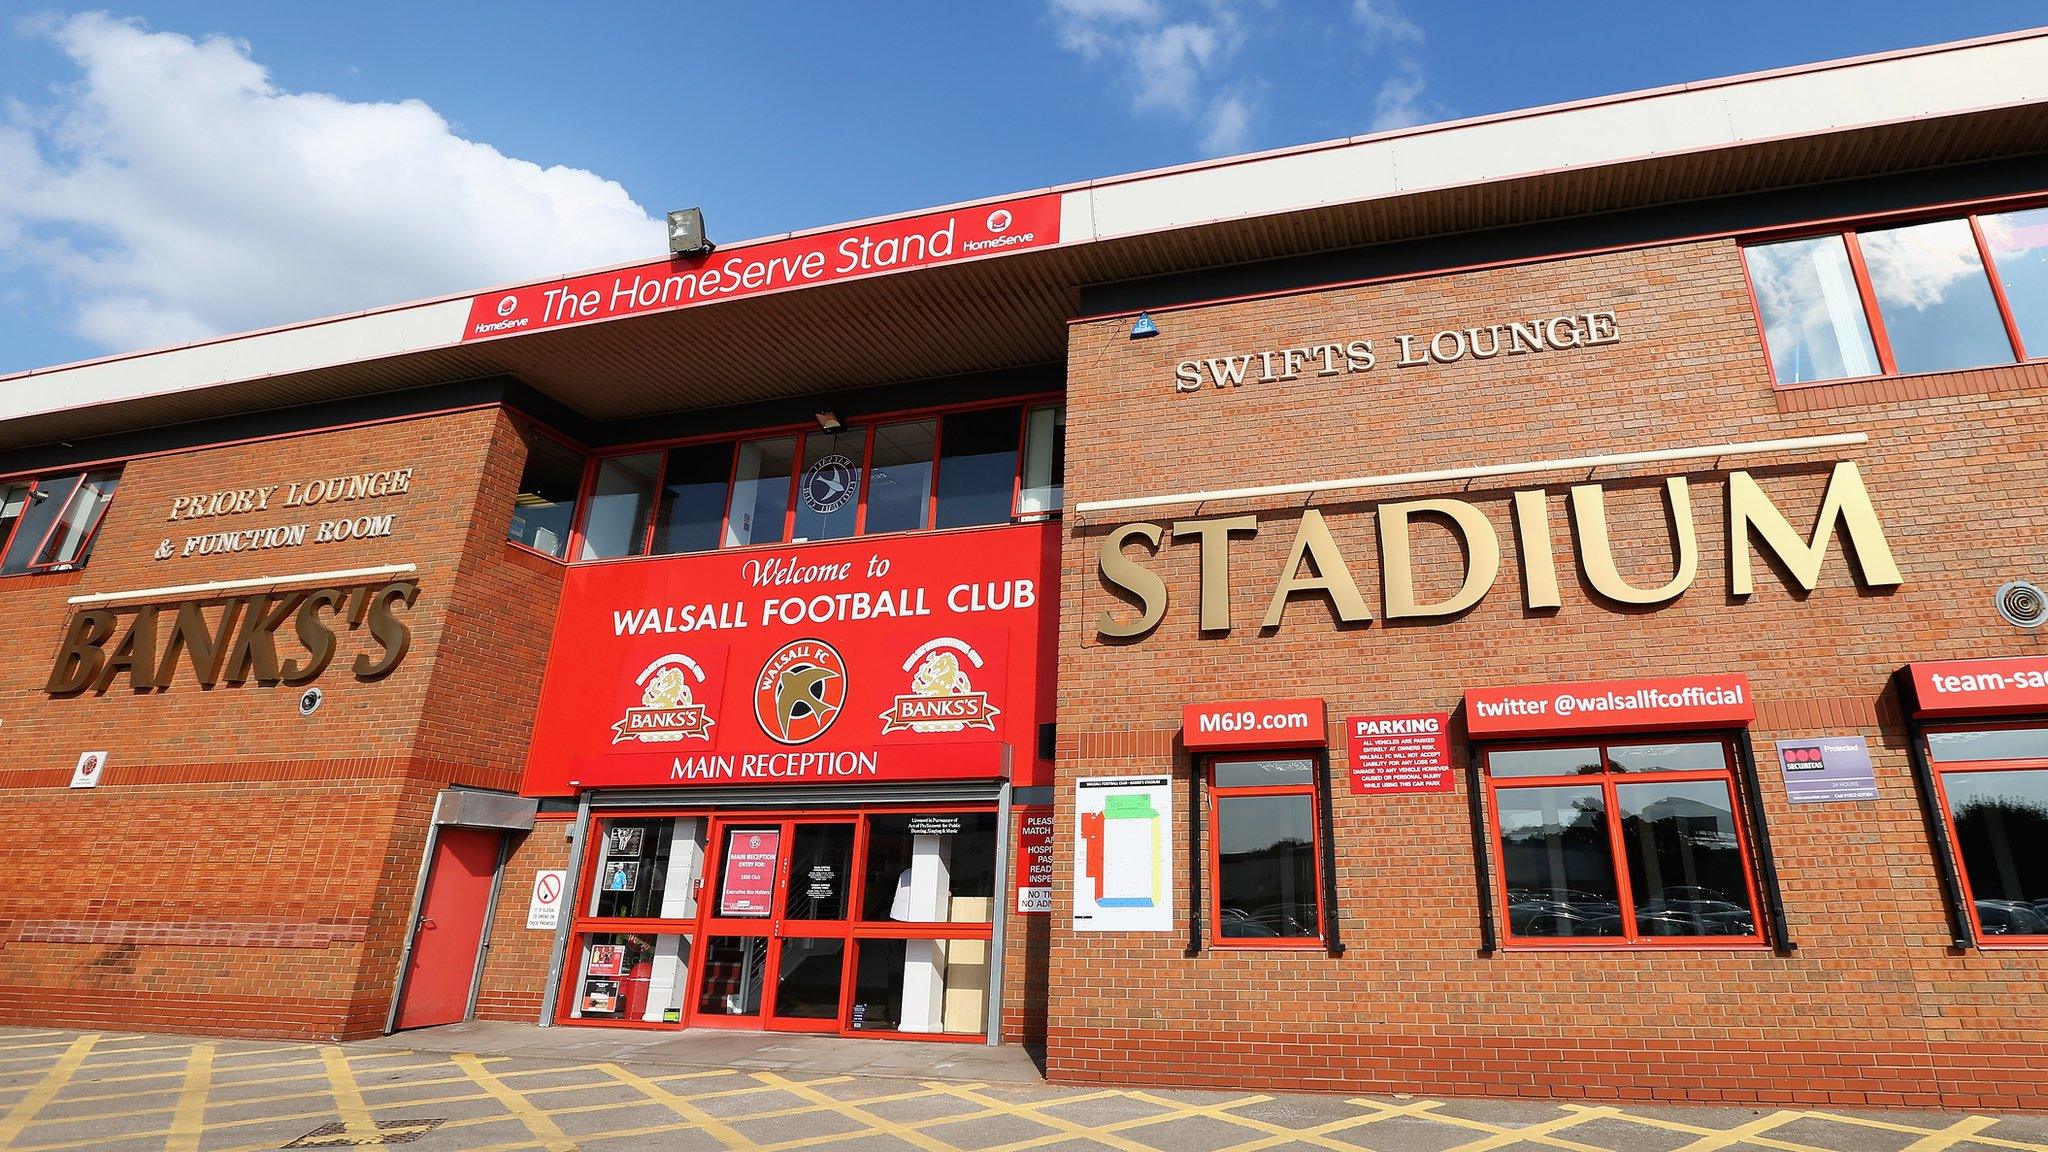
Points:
(544, 911)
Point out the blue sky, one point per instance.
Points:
(169, 171)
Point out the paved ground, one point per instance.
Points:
(66, 1090)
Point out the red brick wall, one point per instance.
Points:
(243, 869)
(1873, 1008)
(516, 971)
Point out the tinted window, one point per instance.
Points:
(978, 467)
(1266, 878)
(1556, 862)
(1684, 860)
(1543, 761)
(828, 493)
(2001, 822)
(2019, 250)
(693, 488)
(619, 506)
(546, 504)
(900, 480)
(38, 518)
(760, 492)
(1812, 312)
(1263, 773)
(1690, 757)
(1990, 744)
(1938, 310)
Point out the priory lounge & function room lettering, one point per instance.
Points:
(287, 637)
(1316, 566)
(293, 496)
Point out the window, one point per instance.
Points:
(545, 506)
(1045, 461)
(1625, 843)
(900, 481)
(1994, 790)
(48, 524)
(1936, 296)
(954, 470)
(1266, 853)
(620, 502)
(692, 507)
(760, 493)
(629, 957)
(978, 467)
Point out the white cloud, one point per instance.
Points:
(1179, 64)
(178, 193)
(1399, 102)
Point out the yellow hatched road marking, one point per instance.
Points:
(537, 1122)
(348, 1099)
(723, 1133)
(1973, 1136)
(1319, 1134)
(189, 1121)
(1064, 1128)
(53, 1081)
(1964, 1129)
(1502, 1134)
(1753, 1132)
(854, 1112)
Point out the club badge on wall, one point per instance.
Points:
(830, 484)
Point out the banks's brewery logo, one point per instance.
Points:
(800, 691)
(942, 696)
(668, 709)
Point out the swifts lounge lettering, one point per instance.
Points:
(240, 644)
(1315, 566)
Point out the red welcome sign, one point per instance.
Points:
(922, 657)
(1598, 706)
(1981, 687)
(771, 266)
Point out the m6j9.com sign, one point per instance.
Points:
(913, 658)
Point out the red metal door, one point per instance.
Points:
(450, 929)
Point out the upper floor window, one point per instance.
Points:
(954, 470)
(48, 524)
(545, 508)
(1936, 296)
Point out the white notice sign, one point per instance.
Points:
(544, 911)
(90, 767)
(1123, 861)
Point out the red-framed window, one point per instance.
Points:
(1993, 791)
(550, 484)
(818, 924)
(1635, 843)
(1932, 295)
(1266, 851)
(957, 467)
(49, 523)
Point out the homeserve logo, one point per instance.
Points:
(998, 225)
(506, 307)
(1640, 700)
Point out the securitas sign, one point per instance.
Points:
(921, 657)
(771, 266)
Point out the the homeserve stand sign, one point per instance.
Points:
(771, 266)
(909, 658)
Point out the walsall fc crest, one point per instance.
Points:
(668, 709)
(942, 696)
(800, 691)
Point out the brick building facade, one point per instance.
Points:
(1657, 470)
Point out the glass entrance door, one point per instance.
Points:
(776, 925)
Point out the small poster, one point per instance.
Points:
(1404, 753)
(748, 886)
(601, 996)
(1034, 863)
(607, 959)
(1820, 769)
(623, 840)
(621, 875)
(544, 909)
(1123, 858)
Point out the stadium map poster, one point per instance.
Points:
(1123, 863)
